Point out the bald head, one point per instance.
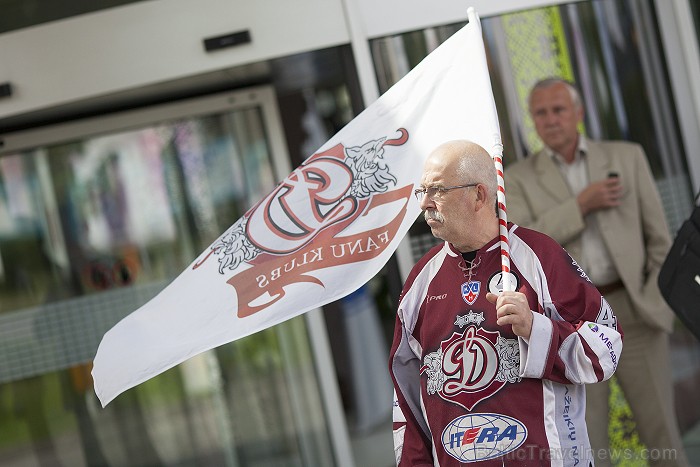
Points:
(468, 162)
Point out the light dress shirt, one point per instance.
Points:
(596, 259)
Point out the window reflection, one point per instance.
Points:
(90, 230)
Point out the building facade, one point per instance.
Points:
(133, 134)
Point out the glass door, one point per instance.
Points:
(95, 219)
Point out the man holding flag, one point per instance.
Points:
(482, 374)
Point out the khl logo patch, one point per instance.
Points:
(470, 291)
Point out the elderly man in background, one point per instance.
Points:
(599, 201)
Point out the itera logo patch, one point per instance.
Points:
(478, 437)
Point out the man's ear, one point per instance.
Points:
(481, 196)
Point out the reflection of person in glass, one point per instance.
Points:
(29, 405)
(598, 199)
(481, 374)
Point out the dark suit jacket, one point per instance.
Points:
(635, 232)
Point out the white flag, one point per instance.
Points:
(326, 229)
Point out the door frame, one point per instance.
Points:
(263, 97)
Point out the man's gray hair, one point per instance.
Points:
(548, 82)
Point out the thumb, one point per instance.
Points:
(491, 297)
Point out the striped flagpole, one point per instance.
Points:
(508, 280)
(508, 283)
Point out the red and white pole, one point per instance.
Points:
(497, 154)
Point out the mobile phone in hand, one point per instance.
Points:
(613, 175)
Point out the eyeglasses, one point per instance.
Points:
(437, 191)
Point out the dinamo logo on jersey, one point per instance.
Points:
(482, 436)
(472, 366)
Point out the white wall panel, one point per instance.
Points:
(154, 41)
(680, 41)
(386, 17)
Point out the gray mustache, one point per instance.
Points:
(434, 215)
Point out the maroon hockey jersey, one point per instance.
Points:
(470, 391)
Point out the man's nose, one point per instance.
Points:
(426, 202)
